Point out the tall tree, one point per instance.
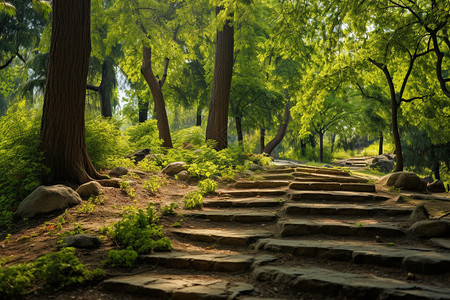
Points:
(62, 127)
(217, 127)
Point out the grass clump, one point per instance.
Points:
(169, 209)
(120, 259)
(193, 200)
(153, 184)
(207, 186)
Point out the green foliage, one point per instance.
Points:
(120, 259)
(169, 209)
(148, 165)
(153, 184)
(261, 159)
(21, 162)
(105, 142)
(203, 169)
(126, 188)
(194, 135)
(138, 231)
(50, 272)
(86, 208)
(207, 186)
(193, 200)
(145, 135)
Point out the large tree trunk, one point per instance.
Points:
(239, 129)
(106, 87)
(199, 117)
(217, 126)
(155, 87)
(281, 130)
(321, 133)
(62, 127)
(262, 137)
(380, 146)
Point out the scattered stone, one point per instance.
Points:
(411, 276)
(326, 166)
(46, 199)
(183, 175)
(382, 163)
(82, 241)
(436, 186)
(256, 167)
(419, 213)
(403, 180)
(139, 155)
(440, 242)
(113, 182)
(89, 189)
(174, 168)
(430, 228)
(187, 146)
(118, 171)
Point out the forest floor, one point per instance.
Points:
(35, 237)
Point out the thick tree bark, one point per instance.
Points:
(281, 130)
(239, 129)
(262, 138)
(217, 127)
(62, 127)
(380, 146)
(321, 133)
(156, 89)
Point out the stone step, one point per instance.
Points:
(413, 260)
(340, 285)
(207, 262)
(347, 210)
(341, 196)
(237, 237)
(300, 176)
(308, 227)
(332, 186)
(155, 286)
(261, 184)
(253, 193)
(281, 170)
(230, 216)
(325, 171)
(282, 176)
(246, 202)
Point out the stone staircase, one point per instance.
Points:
(300, 233)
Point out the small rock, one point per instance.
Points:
(46, 199)
(436, 186)
(89, 189)
(326, 166)
(187, 146)
(411, 276)
(82, 241)
(419, 213)
(183, 175)
(429, 228)
(113, 182)
(400, 199)
(118, 171)
(174, 168)
(139, 155)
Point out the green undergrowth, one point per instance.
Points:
(49, 273)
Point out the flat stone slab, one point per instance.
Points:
(261, 184)
(419, 261)
(344, 210)
(332, 186)
(441, 242)
(341, 196)
(282, 176)
(325, 171)
(230, 216)
(308, 227)
(226, 237)
(177, 287)
(328, 178)
(254, 192)
(351, 285)
(247, 202)
(207, 262)
(281, 170)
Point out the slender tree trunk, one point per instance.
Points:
(199, 116)
(155, 87)
(62, 127)
(321, 133)
(106, 87)
(217, 127)
(312, 141)
(239, 130)
(302, 148)
(333, 139)
(380, 147)
(143, 110)
(262, 137)
(436, 166)
(281, 130)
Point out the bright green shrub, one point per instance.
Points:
(21, 162)
(153, 184)
(145, 135)
(169, 209)
(194, 135)
(15, 280)
(120, 259)
(105, 142)
(137, 230)
(193, 200)
(148, 165)
(207, 186)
